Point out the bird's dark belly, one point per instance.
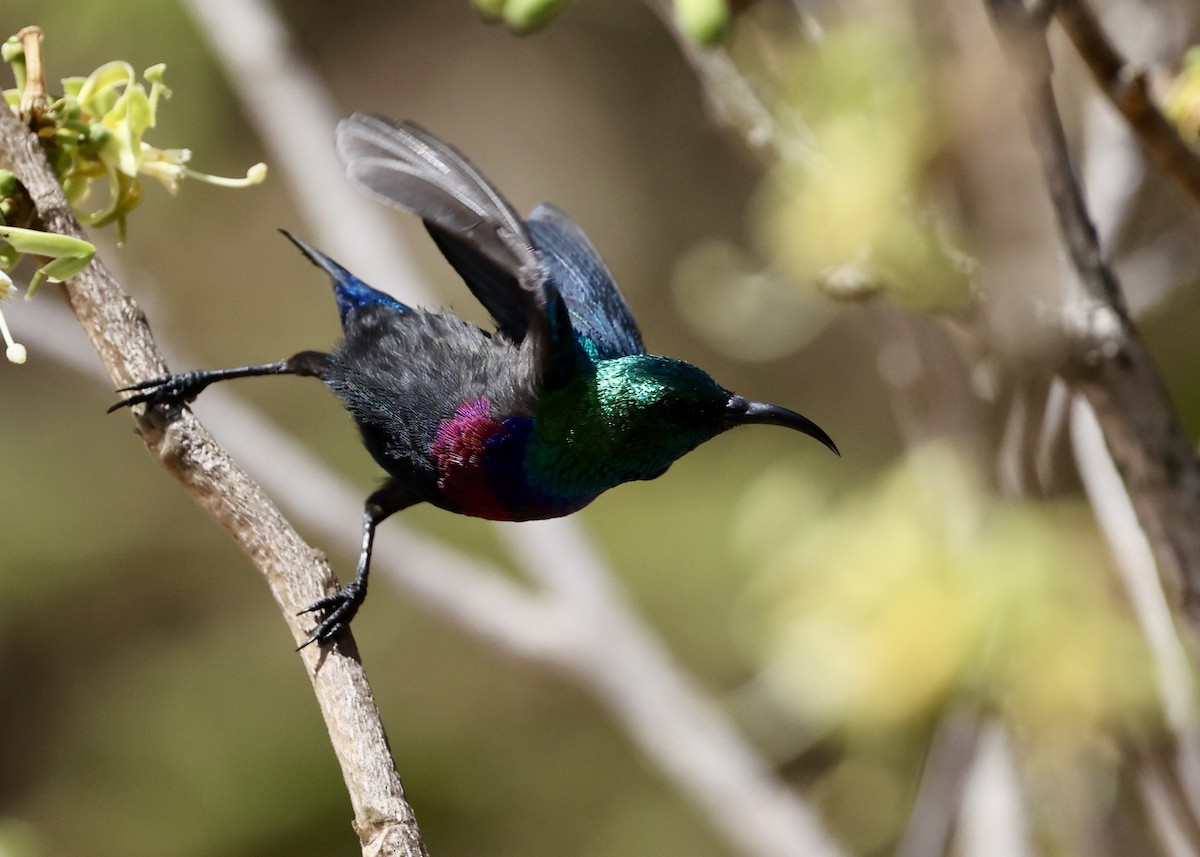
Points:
(492, 509)
(407, 466)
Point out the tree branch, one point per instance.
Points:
(1135, 565)
(995, 818)
(1107, 362)
(939, 796)
(1128, 89)
(296, 574)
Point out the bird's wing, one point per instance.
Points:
(475, 227)
(597, 309)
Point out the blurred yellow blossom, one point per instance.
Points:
(924, 588)
(1183, 97)
(863, 98)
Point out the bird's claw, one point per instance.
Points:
(342, 605)
(163, 390)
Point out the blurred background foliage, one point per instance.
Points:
(954, 594)
(150, 703)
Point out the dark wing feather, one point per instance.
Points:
(488, 281)
(597, 309)
(475, 227)
(405, 166)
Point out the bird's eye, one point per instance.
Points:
(675, 409)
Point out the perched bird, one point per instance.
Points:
(533, 421)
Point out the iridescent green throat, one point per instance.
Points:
(620, 420)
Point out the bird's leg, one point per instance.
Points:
(185, 386)
(343, 604)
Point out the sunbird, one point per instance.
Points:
(534, 420)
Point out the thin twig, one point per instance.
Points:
(295, 573)
(1108, 362)
(1135, 461)
(1128, 88)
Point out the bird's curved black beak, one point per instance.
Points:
(740, 412)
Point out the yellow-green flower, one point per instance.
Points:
(852, 221)
(95, 132)
(14, 351)
(169, 166)
(1183, 98)
(956, 594)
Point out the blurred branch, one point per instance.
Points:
(994, 821)
(1166, 809)
(1108, 363)
(675, 723)
(1128, 89)
(1135, 564)
(294, 571)
(730, 97)
(939, 797)
(294, 114)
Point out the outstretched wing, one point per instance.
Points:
(476, 228)
(598, 311)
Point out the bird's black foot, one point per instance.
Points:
(164, 390)
(342, 606)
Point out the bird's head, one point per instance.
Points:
(637, 414)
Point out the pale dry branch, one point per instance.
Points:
(1135, 564)
(1167, 812)
(995, 820)
(662, 708)
(295, 573)
(936, 809)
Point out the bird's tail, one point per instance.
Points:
(350, 291)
